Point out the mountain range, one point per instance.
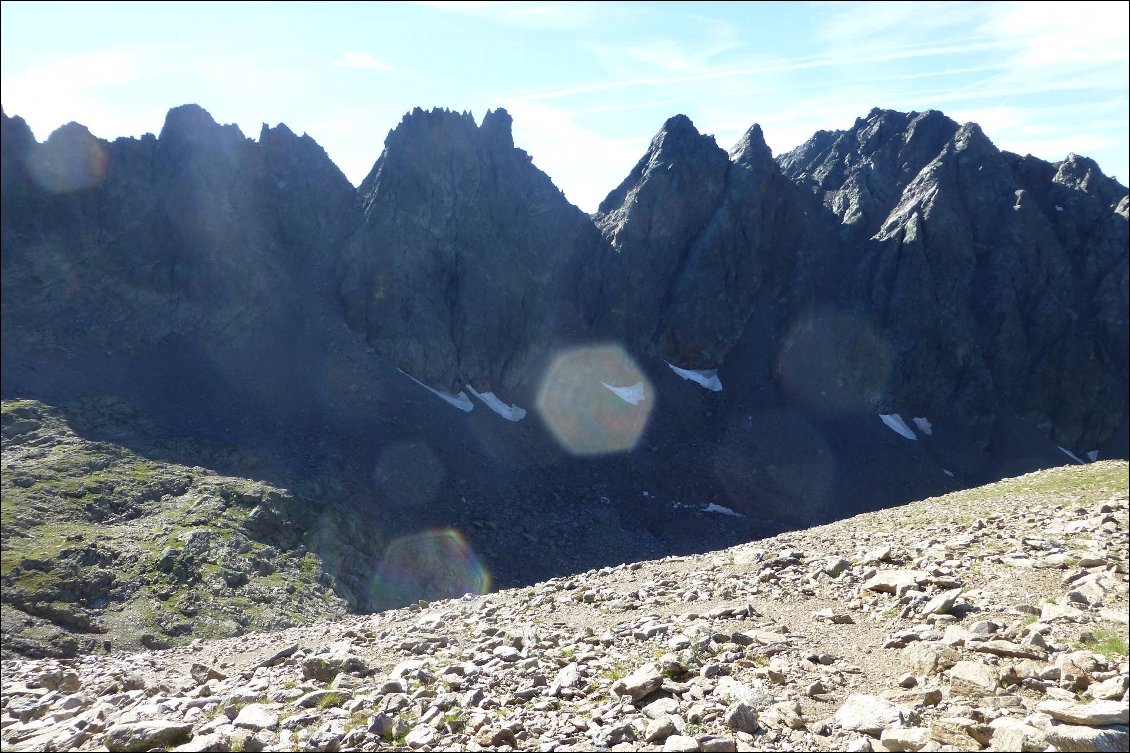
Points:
(733, 344)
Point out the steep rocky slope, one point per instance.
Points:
(696, 237)
(199, 232)
(465, 269)
(997, 282)
(993, 618)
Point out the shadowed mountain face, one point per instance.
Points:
(694, 234)
(998, 282)
(465, 268)
(242, 291)
(199, 232)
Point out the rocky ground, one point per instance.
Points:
(994, 618)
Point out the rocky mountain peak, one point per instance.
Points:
(1083, 174)
(751, 148)
(187, 122)
(497, 128)
(677, 156)
(190, 129)
(860, 173)
(71, 159)
(466, 252)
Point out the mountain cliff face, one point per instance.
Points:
(998, 282)
(905, 265)
(465, 267)
(198, 232)
(694, 233)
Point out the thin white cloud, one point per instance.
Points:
(762, 69)
(364, 61)
(537, 15)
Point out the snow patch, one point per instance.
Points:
(924, 426)
(895, 423)
(509, 412)
(1070, 454)
(460, 401)
(1093, 455)
(948, 473)
(723, 510)
(716, 509)
(708, 378)
(632, 395)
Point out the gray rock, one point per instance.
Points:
(942, 603)
(1066, 737)
(1110, 689)
(1092, 714)
(784, 714)
(906, 739)
(659, 729)
(733, 691)
(895, 582)
(680, 744)
(136, 736)
(256, 716)
(324, 667)
(644, 681)
(869, 714)
(741, 718)
(568, 676)
(421, 736)
(716, 744)
(973, 678)
(1013, 734)
(926, 659)
(1010, 649)
(625, 732)
(202, 673)
(960, 733)
(660, 708)
(319, 697)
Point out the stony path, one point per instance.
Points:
(990, 619)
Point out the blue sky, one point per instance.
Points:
(588, 84)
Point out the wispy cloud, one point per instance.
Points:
(709, 73)
(364, 61)
(538, 15)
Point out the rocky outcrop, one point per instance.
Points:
(997, 283)
(199, 232)
(694, 234)
(104, 548)
(465, 269)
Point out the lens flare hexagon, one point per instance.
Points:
(70, 160)
(595, 400)
(430, 565)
